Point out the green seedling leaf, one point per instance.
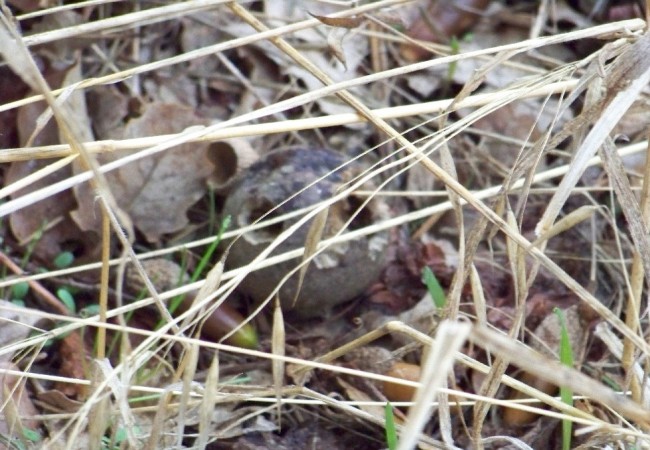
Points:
(63, 260)
(19, 290)
(391, 432)
(31, 435)
(120, 436)
(200, 267)
(566, 358)
(455, 49)
(89, 311)
(434, 288)
(67, 299)
(205, 259)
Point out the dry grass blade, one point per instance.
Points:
(122, 22)
(439, 360)
(489, 387)
(284, 126)
(567, 222)
(629, 75)
(233, 43)
(263, 83)
(278, 351)
(188, 365)
(313, 238)
(633, 307)
(208, 402)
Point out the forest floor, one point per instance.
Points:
(324, 224)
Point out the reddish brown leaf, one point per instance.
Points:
(72, 353)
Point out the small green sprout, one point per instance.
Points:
(63, 260)
(566, 395)
(434, 288)
(19, 291)
(67, 299)
(391, 432)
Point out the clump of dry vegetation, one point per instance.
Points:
(467, 250)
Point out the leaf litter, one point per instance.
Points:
(171, 200)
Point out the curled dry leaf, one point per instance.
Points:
(155, 191)
(230, 158)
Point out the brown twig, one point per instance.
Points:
(37, 287)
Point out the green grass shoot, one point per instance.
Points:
(455, 49)
(391, 432)
(200, 267)
(566, 395)
(434, 288)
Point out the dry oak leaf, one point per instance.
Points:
(155, 191)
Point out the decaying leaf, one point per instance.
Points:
(108, 112)
(155, 191)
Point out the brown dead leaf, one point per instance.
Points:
(439, 20)
(47, 222)
(108, 111)
(11, 88)
(73, 353)
(76, 105)
(56, 401)
(29, 5)
(49, 218)
(155, 191)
